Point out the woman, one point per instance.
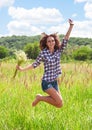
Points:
(51, 49)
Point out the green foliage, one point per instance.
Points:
(3, 52)
(28, 50)
(32, 50)
(36, 50)
(81, 41)
(17, 42)
(83, 53)
(90, 55)
(67, 53)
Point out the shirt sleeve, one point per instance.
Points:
(38, 60)
(63, 44)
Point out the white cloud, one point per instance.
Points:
(38, 20)
(33, 21)
(80, 29)
(36, 15)
(88, 10)
(74, 15)
(4, 3)
(84, 28)
(87, 7)
(22, 28)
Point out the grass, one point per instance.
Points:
(16, 96)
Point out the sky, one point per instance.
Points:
(32, 17)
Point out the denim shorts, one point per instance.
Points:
(46, 85)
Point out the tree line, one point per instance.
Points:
(77, 49)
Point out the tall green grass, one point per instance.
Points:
(16, 96)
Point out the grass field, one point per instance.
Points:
(16, 96)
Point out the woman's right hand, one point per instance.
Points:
(18, 67)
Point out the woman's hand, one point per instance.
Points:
(30, 66)
(71, 22)
(19, 68)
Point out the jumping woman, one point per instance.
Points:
(51, 50)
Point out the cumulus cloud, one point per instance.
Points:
(37, 20)
(4, 3)
(87, 7)
(32, 21)
(22, 28)
(88, 10)
(36, 15)
(82, 29)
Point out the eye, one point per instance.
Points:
(53, 40)
(48, 41)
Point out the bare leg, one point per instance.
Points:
(54, 98)
(37, 99)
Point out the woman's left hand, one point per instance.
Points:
(71, 22)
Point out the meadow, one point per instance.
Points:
(16, 96)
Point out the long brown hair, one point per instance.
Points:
(43, 41)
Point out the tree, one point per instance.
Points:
(32, 50)
(29, 50)
(82, 53)
(3, 52)
(36, 50)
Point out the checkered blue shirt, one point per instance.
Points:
(51, 62)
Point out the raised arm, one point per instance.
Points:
(66, 37)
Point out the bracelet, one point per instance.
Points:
(71, 24)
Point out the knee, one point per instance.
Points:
(59, 104)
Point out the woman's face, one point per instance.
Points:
(50, 42)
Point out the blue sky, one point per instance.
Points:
(32, 17)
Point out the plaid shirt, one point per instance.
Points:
(51, 62)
